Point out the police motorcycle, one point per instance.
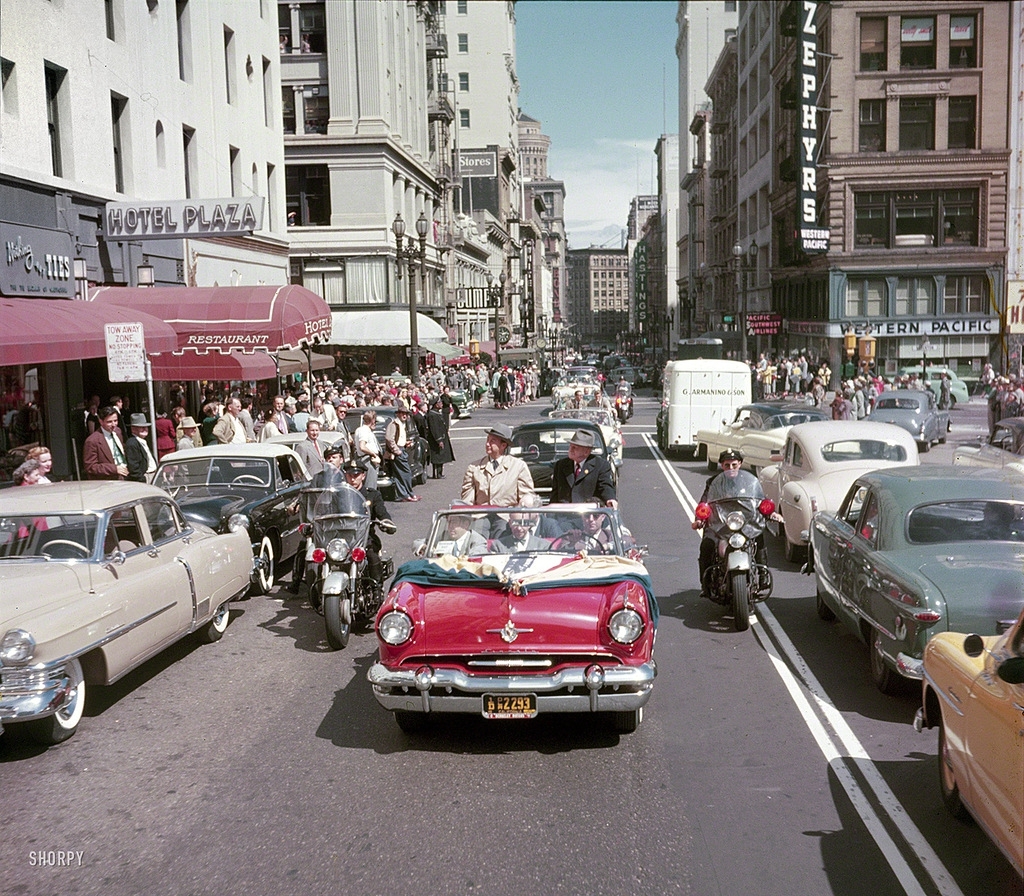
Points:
(735, 513)
(338, 528)
(624, 401)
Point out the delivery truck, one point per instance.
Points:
(699, 394)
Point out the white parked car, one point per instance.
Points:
(820, 462)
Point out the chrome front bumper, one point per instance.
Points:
(20, 703)
(590, 689)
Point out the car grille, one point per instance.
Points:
(20, 680)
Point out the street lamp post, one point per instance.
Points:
(495, 294)
(409, 251)
(742, 263)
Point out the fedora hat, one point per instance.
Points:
(583, 438)
(138, 420)
(502, 430)
(188, 423)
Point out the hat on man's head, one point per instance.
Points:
(502, 430)
(353, 465)
(188, 423)
(730, 454)
(138, 420)
(582, 437)
(290, 401)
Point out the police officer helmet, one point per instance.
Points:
(730, 454)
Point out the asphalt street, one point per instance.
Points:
(766, 763)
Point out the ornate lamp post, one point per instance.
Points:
(742, 272)
(495, 295)
(410, 252)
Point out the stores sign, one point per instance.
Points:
(478, 163)
(181, 219)
(36, 262)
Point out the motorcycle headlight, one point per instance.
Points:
(337, 549)
(16, 647)
(625, 626)
(394, 628)
(238, 522)
(737, 540)
(735, 520)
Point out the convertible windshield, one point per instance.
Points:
(60, 537)
(243, 471)
(862, 449)
(565, 529)
(966, 521)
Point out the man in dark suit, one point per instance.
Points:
(583, 477)
(141, 462)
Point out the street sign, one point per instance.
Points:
(504, 335)
(126, 353)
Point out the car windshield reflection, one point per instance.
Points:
(52, 537)
(254, 472)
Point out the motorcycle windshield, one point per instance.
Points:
(743, 485)
(728, 494)
(337, 512)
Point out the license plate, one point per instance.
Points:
(509, 706)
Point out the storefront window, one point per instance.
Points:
(22, 424)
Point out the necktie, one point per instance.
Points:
(494, 465)
(115, 448)
(577, 471)
(316, 446)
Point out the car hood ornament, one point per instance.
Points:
(509, 633)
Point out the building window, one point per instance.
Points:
(268, 223)
(268, 92)
(288, 109)
(464, 82)
(959, 217)
(917, 42)
(161, 146)
(963, 50)
(8, 87)
(312, 28)
(463, 118)
(917, 123)
(872, 45)
(235, 166)
(316, 110)
(915, 217)
(871, 219)
(915, 296)
(965, 295)
(284, 28)
(55, 95)
(308, 194)
(229, 65)
(872, 126)
(119, 121)
(463, 43)
(190, 152)
(183, 23)
(462, 7)
(866, 297)
(962, 134)
(108, 16)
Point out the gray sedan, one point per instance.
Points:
(915, 411)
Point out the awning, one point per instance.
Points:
(384, 328)
(38, 331)
(444, 349)
(191, 365)
(294, 361)
(267, 318)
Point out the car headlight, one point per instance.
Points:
(337, 549)
(737, 540)
(394, 628)
(625, 626)
(16, 647)
(735, 520)
(238, 522)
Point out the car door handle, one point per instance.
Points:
(153, 552)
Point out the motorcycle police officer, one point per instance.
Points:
(355, 476)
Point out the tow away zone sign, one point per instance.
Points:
(126, 353)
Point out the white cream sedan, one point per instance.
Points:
(610, 428)
(758, 431)
(819, 463)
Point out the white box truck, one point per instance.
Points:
(699, 394)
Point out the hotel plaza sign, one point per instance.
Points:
(180, 219)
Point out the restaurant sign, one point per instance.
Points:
(179, 219)
(36, 262)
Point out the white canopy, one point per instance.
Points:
(383, 328)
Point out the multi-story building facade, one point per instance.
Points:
(640, 209)
(599, 296)
(153, 108)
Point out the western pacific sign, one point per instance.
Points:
(179, 219)
(812, 238)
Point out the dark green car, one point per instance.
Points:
(914, 551)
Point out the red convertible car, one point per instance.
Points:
(512, 612)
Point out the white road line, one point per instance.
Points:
(805, 690)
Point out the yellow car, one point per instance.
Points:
(974, 693)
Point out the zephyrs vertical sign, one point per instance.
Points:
(812, 238)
